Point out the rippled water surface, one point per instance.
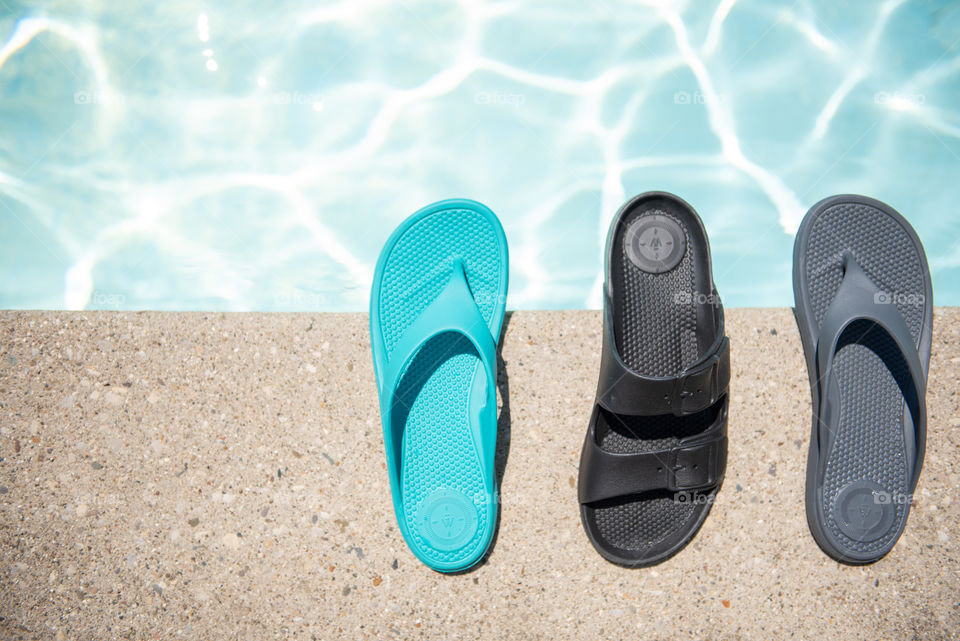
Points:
(255, 156)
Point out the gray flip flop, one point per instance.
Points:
(864, 307)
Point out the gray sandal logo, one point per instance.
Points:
(862, 513)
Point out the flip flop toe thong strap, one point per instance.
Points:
(454, 310)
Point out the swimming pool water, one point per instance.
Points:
(243, 156)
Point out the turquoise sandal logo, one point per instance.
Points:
(448, 519)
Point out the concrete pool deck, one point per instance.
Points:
(221, 476)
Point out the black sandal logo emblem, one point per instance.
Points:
(654, 243)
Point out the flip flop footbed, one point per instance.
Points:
(858, 484)
(445, 508)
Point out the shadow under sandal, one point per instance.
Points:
(656, 447)
(864, 307)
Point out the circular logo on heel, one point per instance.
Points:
(655, 244)
(447, 519)
(863, 511)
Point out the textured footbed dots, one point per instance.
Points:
(870, 434)
(870, 440)
(431, 401)
(656, 333)
(656, 336)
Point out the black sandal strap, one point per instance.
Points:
(696, 465)
(697, 387)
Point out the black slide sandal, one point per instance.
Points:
(656, 448)
(864, 307)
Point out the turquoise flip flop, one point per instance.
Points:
(436, 308)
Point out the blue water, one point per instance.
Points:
(255, 156)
